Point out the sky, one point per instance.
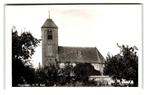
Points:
(100, 26)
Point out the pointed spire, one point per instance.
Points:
(49, 23)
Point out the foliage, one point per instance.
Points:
(22, 49)
(114, 67)
(124, 65)
(53, 75)
(130, 60)
(83, 71)
(66, 75)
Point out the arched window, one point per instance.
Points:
(49, 35)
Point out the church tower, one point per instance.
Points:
(49, 42)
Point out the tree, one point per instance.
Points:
(53, 75)
(130, 60)
(83, 71)
(22, 49)
(66, 75)
(123, 65)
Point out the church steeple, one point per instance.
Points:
(49, 42)
(49, 23)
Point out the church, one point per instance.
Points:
(52, 53)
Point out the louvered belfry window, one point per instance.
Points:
(49, 36)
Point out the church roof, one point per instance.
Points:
(49, 23)
(80, 55)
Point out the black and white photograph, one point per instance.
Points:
(74, 45)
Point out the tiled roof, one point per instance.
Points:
(80, 55)
(49, 23)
